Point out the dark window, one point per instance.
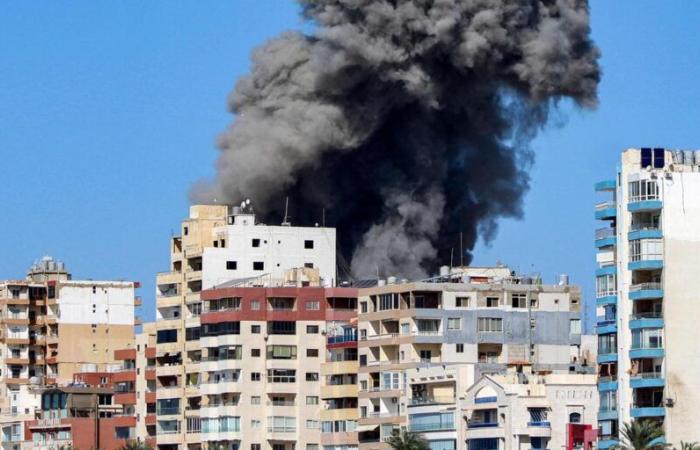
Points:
(223, 243)
(646, 157)
(460, 348)
(309, 265)
(308, 243)
(216, 244)
(256, 242)
(659, 158)
(231, 265)
(255, 352)
(312, 352)
(282, 327)
(186, 230)
(255, 376)
(363, 360)
(312, 329)
(254, 446)
(255, 329)
(258, 265)
(166, 336)
(311, 376)
(192, 334)
(221, 328)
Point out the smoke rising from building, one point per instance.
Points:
(409, 121)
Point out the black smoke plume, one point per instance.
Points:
(409, 121)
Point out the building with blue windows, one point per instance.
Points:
(647, 284)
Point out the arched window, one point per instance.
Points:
(575, 418)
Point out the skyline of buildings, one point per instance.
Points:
(258, 345)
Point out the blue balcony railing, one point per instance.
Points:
(543, 424)
(342, 338)
(479, 424)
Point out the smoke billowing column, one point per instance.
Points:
(408, 121)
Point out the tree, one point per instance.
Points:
(408, 441)
(135, 445)
(641, 435)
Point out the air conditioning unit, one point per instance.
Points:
(670, 402)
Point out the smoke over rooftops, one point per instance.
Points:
(409, 121)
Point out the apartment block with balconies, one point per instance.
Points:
(220, 246)
(421, 343)
(645, 287)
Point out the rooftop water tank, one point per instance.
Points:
(688, 157)
(564, 279)
(444, 271)
(391, 280)
(381, 282)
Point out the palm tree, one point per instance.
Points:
(689, 445)
(408, 441)
(642, 435)
(135, 445)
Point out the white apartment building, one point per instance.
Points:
(646, 294)
(522, 410)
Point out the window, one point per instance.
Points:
(312, 353)
(166, 336)
(255, 376)
(309, 265)
(281, 376)
(311, 400)
(311, 425)
(192, 333)
(255, 352)
(390, 301)
(490, 325)
(312, 329)
(282, 327)
(282, 352)
(518, 300)
(254, 446)
(454, 323)
(459, 348)
(255, 400)
(575, 326)
(643, 190)
(575, 417)
(255, 305)
(605, 285)
(256, 243)
(462, 302)
(311, 376)
(312, 446)
(258, 265)
(646, 249)
(255, 329)
(255, 424)
(363, 307)
(185, 231)
(308, 243)
(231, 265)
(492, 302)
(313, 305)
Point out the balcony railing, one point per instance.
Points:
(646, 287)
(382, 336)
(646, 375)
(607, 379)
(436, 426)
(434, 400)
(603, 233)
(605, 205)
(342, 338)
(481, 424)
(281, 429)
(647, 315)
(644, 227)
(167, 411)
(540, 423)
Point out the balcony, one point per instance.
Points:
(647, 352)
(646, 320)
(637, 411)
(607, 384)
(342, 339)
(436, 426)
(607, 357)
(647, 380)
(605, 237)
(606, 210)
(431, 400)
(644, 231)
(644, 291)
(606, 326)
(606, 298)
(644, 203)
(607, 414)
(607, 442)
(606, 270)
(605, 185)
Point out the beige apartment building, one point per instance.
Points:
(421, 344)
(51, 327)
(218, 244)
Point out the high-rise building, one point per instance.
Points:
(220, 246)
(51, 327)
(422, 344)
(645, 280)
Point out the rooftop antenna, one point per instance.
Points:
(285, 222)
(323, 217)
(461, 250)
(452, 252)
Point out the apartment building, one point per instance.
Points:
(277, 362)
(522, 410)
(449, 331)
(219, 244)
(645, 280)
(51, 326)
(135, 384)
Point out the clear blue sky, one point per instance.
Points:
(109, 111)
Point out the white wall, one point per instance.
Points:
(113, 303)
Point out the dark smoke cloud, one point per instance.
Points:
(409, 121)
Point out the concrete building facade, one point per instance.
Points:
(422, 343)
(219, 244)
(646, 281)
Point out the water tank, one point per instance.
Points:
(391, 280)
(526, 280)
(444, 271)
(381, 282)
(688, 157)
(236, 210)
(564, 279)
(404, 280)
(61, 266)
(51, 265)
